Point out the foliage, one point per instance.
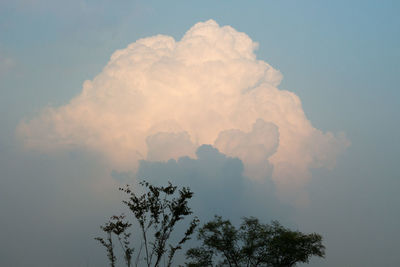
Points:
(253, 244)
(118, 227)
(157, 212)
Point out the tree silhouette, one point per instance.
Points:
(118, 227)
(157, 212)
(159, 209)
(253, 244)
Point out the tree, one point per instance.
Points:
(253, 244)
(157, 212)
(118, 227)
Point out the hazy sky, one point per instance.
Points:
(296, 101)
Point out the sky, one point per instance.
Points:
(287, 109)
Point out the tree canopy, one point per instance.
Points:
(157, 212)
(160, 208)
(253, 244)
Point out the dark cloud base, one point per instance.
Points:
(218, 183)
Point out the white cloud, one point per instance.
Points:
(160, 98)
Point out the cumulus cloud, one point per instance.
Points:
(160, 98)
(254, 148)
(219, 185)
(210, 175)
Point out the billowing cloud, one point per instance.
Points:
(211, 175)
(254, 148)
(159, 99)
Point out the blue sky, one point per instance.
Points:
(341, 58)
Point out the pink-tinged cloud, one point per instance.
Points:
(159, 99)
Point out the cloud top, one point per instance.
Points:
(159, 99)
